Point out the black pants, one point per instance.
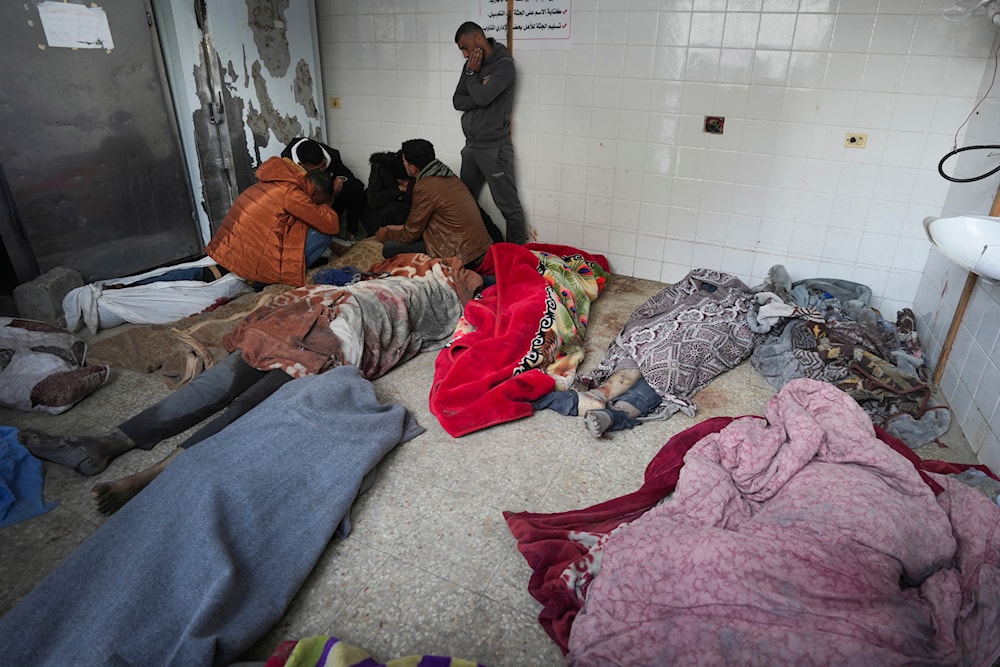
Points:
(232, 382)
(349, 205)
(393, 213)
(393, 248)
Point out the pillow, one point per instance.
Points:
(42, 367)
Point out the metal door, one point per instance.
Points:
(90, 145)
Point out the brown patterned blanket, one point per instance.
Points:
(374, 324)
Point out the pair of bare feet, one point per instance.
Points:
(90, 455)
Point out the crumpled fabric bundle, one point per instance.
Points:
(345, 276)
(42, 367)
(799, 540)
(20, 481)
(825, 329)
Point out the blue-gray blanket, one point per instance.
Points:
(199, 565)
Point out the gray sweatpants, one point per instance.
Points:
(495, 167)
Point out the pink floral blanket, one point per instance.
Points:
(799, 539)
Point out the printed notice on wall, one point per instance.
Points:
(75, 26)
(538, 24)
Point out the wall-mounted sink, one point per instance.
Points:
(971, 241)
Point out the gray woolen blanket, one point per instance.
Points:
(199, 565)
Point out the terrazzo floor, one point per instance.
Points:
(430, 567)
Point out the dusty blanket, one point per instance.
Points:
(799, 540)
(198, 566)
(520, 339)
(374, 324)
(683, 337)
(178, 352)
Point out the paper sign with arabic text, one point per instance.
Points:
(538, 24)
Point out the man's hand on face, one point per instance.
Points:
(338, 185)
(467, 44)
(475, 61)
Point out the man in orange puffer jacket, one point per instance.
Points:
(278, 226)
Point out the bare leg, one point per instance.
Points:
(110, 496)
(617, 384)
(624, 411)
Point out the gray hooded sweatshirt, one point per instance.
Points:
(486, 97)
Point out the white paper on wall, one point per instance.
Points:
(538, 24)
(75, 26)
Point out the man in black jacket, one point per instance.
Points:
(348, 191)
(389, 192)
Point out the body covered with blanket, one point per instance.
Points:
(201, 564)
(799, 539)
(374, 324)
(520, 339)
(682, 338)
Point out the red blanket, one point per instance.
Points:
(564, 549)
(491, 374)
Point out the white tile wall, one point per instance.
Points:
(611, 155)
(971, 375)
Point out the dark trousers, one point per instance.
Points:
(393, 248)
(349, 205)
(393, 213)
(495, 168)
(232, 382)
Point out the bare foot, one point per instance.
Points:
(597, 422)
(88, 455)
(111, 496)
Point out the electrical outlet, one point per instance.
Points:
(855, 140)
(334, 102)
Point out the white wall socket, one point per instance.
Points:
(855, 140)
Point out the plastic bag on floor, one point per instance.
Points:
(100, 307)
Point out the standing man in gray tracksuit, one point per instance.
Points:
(485, 95)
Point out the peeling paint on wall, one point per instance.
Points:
(303, 89)
(231, 72)
(246, 70)
(285, 127)
(261, 107)
(266, 101)
(212, 163)
(266, 19)
(259, 128)
(234, 105)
